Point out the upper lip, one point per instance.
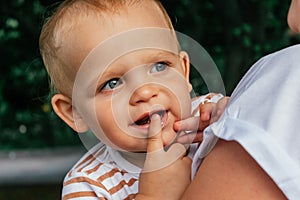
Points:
(146, 117)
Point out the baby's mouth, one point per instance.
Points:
(145, 119)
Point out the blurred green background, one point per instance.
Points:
(234, 32)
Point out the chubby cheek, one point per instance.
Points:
(181, 109)
(114, 132)
(181, 98)
(110, 134)
(105, 122)
(104, 127)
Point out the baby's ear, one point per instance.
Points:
(185, 62)
(62, 106)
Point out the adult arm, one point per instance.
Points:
(229, 172)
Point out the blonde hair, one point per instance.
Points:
(56, 28)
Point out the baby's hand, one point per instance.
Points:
(166, 174)
(212, 110)
(209, 113)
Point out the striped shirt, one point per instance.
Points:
(102, 173)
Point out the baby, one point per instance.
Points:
(117, 69)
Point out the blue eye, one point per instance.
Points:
(111, 84)
(158, 67)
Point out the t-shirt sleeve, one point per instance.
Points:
(82, 186)
(263, 116)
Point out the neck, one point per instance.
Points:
(137, 159)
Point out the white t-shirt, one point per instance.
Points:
(263, 116)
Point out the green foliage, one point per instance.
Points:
(235, 33)
(26, 118)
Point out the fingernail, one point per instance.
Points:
(155, 117)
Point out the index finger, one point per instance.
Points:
(155, 142)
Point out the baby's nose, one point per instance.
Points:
(144, 94)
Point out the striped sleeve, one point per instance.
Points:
(98, 177)
(81, 186)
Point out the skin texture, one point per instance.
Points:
(294, 16)
(151, 80)
(143, 89)
(229, 172)
(239, 167)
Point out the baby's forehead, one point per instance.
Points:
(114, 35)
(126, 52)
(143, 42)
(101, 48)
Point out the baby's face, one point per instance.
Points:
(128, 75)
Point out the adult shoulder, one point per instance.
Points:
(261, 127)
(229, 172)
